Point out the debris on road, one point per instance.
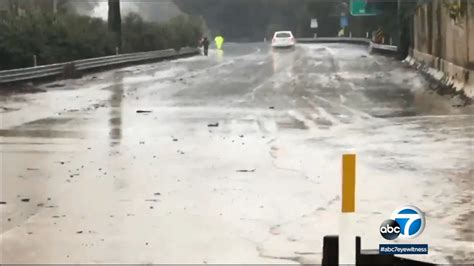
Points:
(144, 111)
(157, 194)
(3, 203)
(6, 109)
(79, 232)
(19, 88)
(246, 171)
(274, 230)
(56, 85)
(25, 200)
(175, 140)
(271, 107)
(213, 125)
(151, 200)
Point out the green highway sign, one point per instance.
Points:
(361, 8)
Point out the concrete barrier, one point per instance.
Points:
(373, 47)
(458, 79)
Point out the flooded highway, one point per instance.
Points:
(231, 158)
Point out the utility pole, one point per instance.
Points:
(400, 26)
(115, 22)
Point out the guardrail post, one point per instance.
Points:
(367, 35)
(116, 50)
(70, 71)
(35, 61)
(315, 36)
(391, 41)
(350, 34)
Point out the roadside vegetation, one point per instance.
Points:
(54, 38)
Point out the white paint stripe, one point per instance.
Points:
(347, 248)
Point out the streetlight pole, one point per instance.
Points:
(400, 26)
(55, 6)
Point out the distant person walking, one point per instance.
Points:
(205, 44)
(219, 40)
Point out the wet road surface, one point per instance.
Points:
(231, 158)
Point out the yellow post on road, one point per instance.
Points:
(348, 182)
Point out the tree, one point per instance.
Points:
(115, 22)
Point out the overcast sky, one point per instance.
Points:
(154, 10)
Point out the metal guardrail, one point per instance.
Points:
(33, 73)
(372, 45)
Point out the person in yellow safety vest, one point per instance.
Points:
(219, 42)
(454, 11)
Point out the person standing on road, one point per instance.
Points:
(205, 44)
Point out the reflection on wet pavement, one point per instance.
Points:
(116, 99)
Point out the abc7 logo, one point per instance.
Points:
(407, 222)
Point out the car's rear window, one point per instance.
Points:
(283, 35)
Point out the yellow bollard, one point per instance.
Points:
(348, 182)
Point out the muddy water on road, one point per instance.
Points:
(126, 166)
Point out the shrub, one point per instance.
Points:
(57, 38)
(52, 38)
(139, 35)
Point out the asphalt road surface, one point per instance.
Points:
(235, 157)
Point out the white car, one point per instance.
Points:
(283, 39)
